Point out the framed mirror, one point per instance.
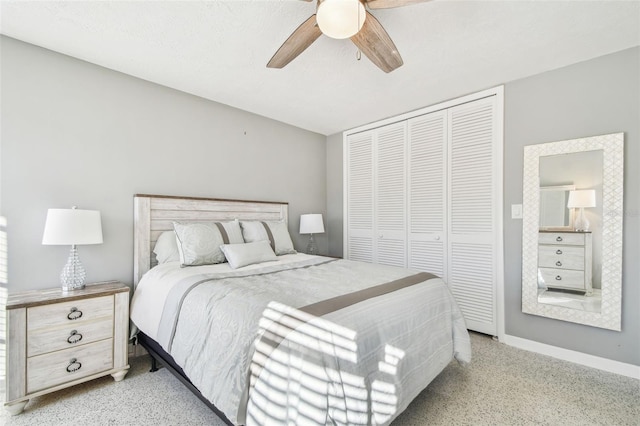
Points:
(572, 230)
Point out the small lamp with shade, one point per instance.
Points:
(311, 224)
(72, 227)
(581, 199)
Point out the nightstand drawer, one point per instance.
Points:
(45, 371)
(45, 340)
(72, 312)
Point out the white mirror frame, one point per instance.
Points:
(612, 195)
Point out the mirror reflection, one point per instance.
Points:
(570, 230)
(554, 213)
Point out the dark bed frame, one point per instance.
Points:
(159, 355)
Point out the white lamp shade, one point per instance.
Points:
(72, 227)
(340, 18)
(582, 198)
(311, 224)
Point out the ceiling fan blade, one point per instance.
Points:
(376, 44)
(388, 4)
(297, 42)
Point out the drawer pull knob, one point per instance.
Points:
(74, 365)
(558, 251)
(74, 337)
(74, 314)
(558, 278)
(559, 239)
(558, 263)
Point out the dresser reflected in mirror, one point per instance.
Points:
(572, 230)
(565, 270)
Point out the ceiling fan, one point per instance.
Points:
(345, 19)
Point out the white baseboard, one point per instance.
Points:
(592, 361)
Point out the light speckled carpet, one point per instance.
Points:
(502, 386)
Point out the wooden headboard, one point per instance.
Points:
(154, 214)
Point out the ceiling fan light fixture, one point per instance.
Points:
(340, 18)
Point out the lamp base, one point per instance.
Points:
(582, 223)
(311, 247)
(73, 274)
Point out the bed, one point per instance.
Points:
(288, 338)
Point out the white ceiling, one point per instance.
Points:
(218, 50)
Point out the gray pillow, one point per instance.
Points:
(275, 232)
(199, 243)
(240, 255)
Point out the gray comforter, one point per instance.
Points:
(311, 342)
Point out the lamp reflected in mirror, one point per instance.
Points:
(582, 199)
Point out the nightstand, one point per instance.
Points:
(56, 340)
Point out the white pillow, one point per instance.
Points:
(199, 243)
(166, 248)
(275, 232)
(239, 255)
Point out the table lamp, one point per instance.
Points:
(581, 199)
(72, 227)
(311, 224)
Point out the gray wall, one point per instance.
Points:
(78, 134)
(590, 98)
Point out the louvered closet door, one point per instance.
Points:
(427, 163)
(472, 211)
(360, 242)
(390, 199)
